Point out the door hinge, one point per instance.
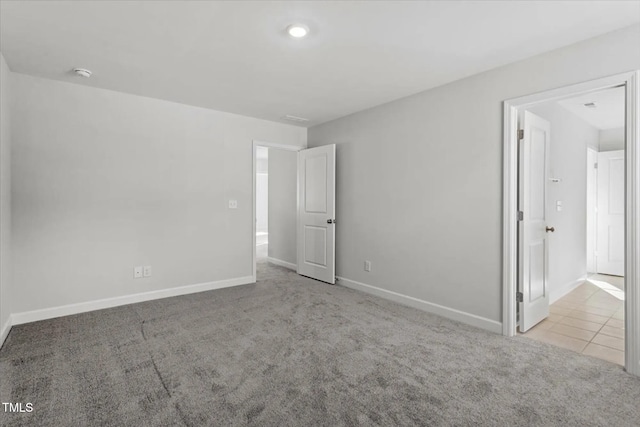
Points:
(520, 134)
(519, 297)
(595, 166)
(520, 216)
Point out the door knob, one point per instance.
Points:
(550, 229)
(331, 221)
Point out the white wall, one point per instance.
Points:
(262, 202)
(419, 180)
(104, 181)
(570, 137)
(5, 199)
(612, 139)
(262, 191)
(283, 205)
(592, 205)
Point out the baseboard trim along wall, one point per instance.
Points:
(449, 313)
(83, 307)
(282, 263)
(4, 333)
(555, 295)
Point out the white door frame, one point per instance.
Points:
(631, 80)
(254, 152)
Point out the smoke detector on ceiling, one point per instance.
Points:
(82, 72)
(590, 105)
(295, 118)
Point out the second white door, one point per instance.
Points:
(610, 246)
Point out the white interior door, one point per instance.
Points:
(316, 210)
(533, 247)
(610, 258)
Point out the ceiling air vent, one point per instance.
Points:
(590, 105)
(295, 118)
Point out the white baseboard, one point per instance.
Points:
(282, 263)
(449, 313)
(556, 294)
(4, 333)
(66, 310)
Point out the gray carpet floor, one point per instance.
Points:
(290, 351)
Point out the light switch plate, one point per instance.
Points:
(137, 272)
(233, 204)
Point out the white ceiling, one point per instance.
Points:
(236, 56)
(608, 113)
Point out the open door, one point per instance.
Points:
(610, 258)
(533, 247)
(316, 213)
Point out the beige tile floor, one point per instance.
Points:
(588, 320)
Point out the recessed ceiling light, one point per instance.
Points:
(82, 72)
(297, 30)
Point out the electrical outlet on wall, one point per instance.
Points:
(367, 266)
(146, 271)
(137, 272)
(233, 204)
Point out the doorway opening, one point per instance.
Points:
(581, 190)
(262, 204)
(294, 208)
(571, 235)
(275, 205)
